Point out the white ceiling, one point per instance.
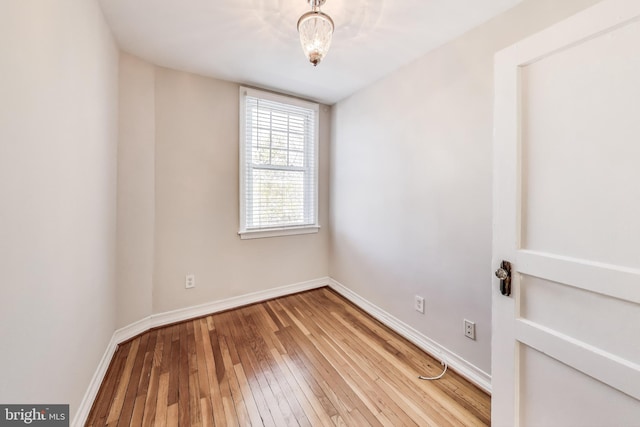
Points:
(256, 41)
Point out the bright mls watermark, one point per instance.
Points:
(36, 415)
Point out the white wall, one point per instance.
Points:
(197, 188)
(136, 189)
(411, 183)
(58, 141)
(188, 126)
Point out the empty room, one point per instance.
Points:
(320, 213)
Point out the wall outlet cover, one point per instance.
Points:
(469, 329)
(190, 281)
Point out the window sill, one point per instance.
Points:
(277, 232)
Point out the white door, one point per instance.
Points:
(566, 342)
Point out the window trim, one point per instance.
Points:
(256, 233)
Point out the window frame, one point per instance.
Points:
(255, 233)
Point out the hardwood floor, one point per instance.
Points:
(310, 359)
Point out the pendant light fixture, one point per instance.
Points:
(316, 29)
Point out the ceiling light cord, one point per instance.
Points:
(439, 376)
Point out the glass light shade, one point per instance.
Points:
(316, 29)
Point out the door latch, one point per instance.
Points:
(504, 274)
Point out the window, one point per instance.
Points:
(278, 165)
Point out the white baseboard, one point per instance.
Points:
(94, 386)
(134, 329)
(179, 315)
(463, 367)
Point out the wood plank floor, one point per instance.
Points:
(310, 359)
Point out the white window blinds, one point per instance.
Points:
(278, 162)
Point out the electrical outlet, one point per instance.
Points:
(469, 329)
(419, 304)
(190, 281)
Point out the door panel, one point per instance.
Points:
(583, 315)
(548, 397)
(580, 149)
(566, 345)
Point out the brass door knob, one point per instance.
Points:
(502, 274)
